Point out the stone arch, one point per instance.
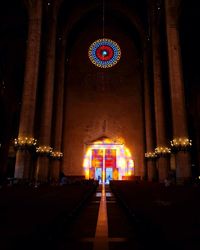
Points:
(108, 159)
(80, 13)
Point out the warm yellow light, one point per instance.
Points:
(88, 153)
(44, 149)
(150, 155)
(55, 154)
(162, 150)
(131, 163)
(86, 163)
(122, 162)
(129, 173)
(87, 174)
(97, 142)
(103, 176)
(107, 140)
(25, 141)
(128, 153)
(181, 142)
(119, 140)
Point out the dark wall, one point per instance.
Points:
(190, 51)
(103, 101)
(13, 33)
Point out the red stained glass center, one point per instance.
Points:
(104, 53)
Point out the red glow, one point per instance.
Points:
(107, 49)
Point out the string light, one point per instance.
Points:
(150, 155)
(56, 155)
(25, 142)
(181, 144)
(44, 150)
(162, 151)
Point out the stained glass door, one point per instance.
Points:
(110, 164)
(104, 164)
(97, 163)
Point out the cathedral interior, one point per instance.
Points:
(104, 94)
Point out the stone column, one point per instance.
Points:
(149, 130)
(26, 126)
(58, 115)
(179, 117)
(44, 149)
(161, 136)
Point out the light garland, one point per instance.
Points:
(150, 155)
(25, 142)
(56, 155)
(44, 150)
(181, 144)
(162, 151)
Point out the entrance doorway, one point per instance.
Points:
(109, 175)
(98, 174)
(107, 160)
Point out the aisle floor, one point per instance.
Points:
(101, 225)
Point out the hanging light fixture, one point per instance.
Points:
(181, 144)
(104, 52)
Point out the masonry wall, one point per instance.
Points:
(102, 102)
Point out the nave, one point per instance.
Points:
(101, 225)
(123, 215)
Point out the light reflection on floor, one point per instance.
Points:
(108, 194)
(101, 236)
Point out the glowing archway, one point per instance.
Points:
(107, 159)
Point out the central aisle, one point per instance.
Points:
(100, 225)
(101, 235)
(113, 230)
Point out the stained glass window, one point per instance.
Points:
(104, 53)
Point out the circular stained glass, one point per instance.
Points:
(104, 53)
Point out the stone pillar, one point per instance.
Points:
(161, 136)
(179, 117)
(26, 126)
(44, 149)
(149, 130)
(58, 116)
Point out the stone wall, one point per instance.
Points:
(102, 101)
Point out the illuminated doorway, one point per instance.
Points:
(109, 175)
(107, 160)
